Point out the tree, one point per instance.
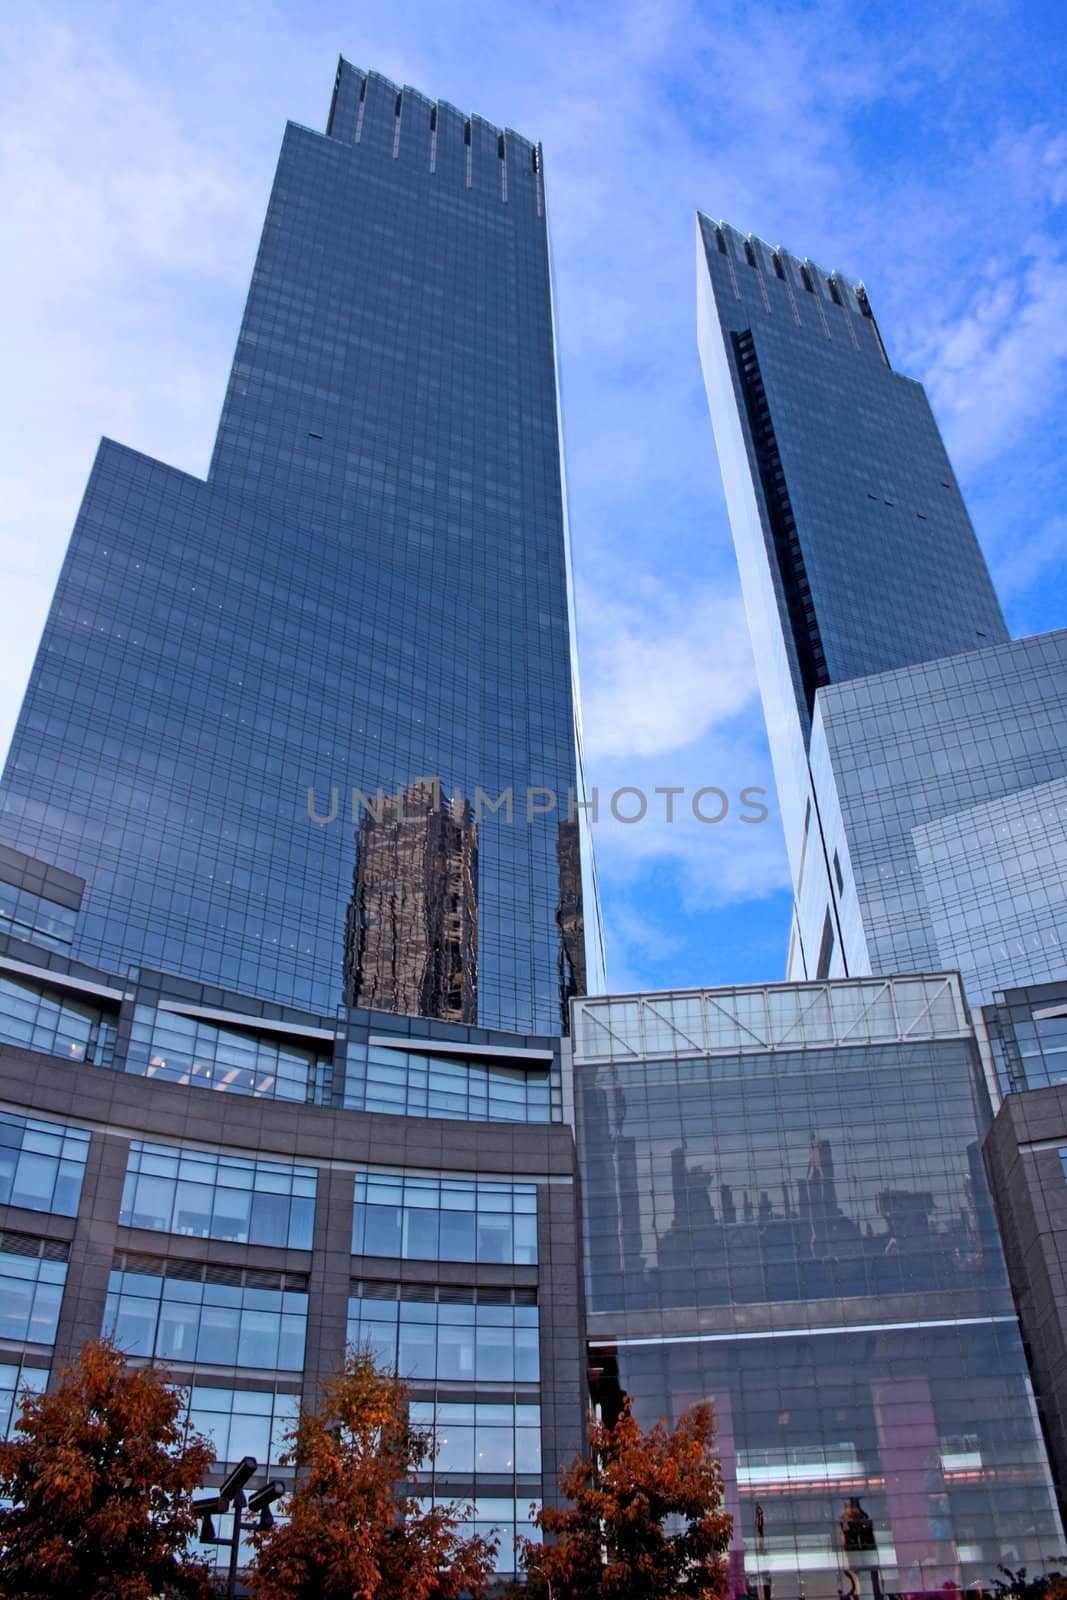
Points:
(1016, 1585)
(99, 1478)
(611, 1543)
(352, 1530)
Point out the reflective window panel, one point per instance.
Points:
(205, 1322)
(481, 1437)
(15, 1380)
(31, 1291)
(42, 1164)
(51, 1020)
(244, 1422)
(210, 1196)
(412, 1085)
(473, 1340)
(444, 1219)
(188, 1050)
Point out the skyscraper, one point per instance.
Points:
(285, 954)
(917, 749)
(369, 590)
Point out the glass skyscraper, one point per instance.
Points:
(368, 595)
(917, 749)
(291, 876)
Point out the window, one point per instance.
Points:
(481, 1437)
(207, 1320)
(218, 1197)
(187, 1050)
(32, 1275)
(412, 1085)
(838, 874)
(30, 916)
(15, 1380)
(501, 1519)
(41, 1164)
(826, 947)
(805, 278)
(482, 1338)
(47, 1019)
(244, 1422)
(445, 1219)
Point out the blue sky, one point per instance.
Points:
(920, 148)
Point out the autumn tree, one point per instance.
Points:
(612, 1542)
(353, 1533)
(99, 1480)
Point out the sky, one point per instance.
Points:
(919, 148)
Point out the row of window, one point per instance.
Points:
(189, 1051)
(412, 1085)
(31, 1292)
(243, 1422)
(207, 1323)
(445, 1219)
(218, 1196)
(45, 1019)
(480, 1437)
(26, 915)
(14, 1382)
(448, 1341)
(211, 1196)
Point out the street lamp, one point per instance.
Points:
(545, 1576)
(231, 1497)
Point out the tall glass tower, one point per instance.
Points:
(243, 678)
(912, 739)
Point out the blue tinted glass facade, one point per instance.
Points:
(369, 592)
(803, 1234)
(855, 549)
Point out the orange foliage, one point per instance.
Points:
(100, 1478)
(610, 1544)
(352, 1531)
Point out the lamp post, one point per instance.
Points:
(231, 1497)
(546, 1578)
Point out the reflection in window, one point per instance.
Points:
(1042, 1050)
(244, 1422)
(29, 916)
(481, 1437)
(189, 1051)
(32, 1275)
(445, 1219)
(412, 1085)
(502, 1519)
(218, 1197)
(41, 1018)
(473, 1340)
(15, 1380)
(41, 1164)
(205, 1321)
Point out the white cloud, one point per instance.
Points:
(660, 669)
